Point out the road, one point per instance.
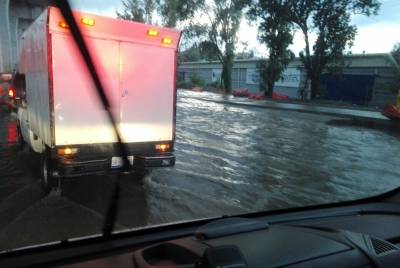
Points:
(230, 160)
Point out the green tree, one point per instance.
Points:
(175, 11)
(276, 31)
(330, 20)
(138, 10)
(225, 18)
(245, 53)
(192, 53)
(209, 51)
(171, 12)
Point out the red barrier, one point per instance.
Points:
(257, 96)
(240, 92)
(197, 89)
(279, 96)
(391, 112)
(261, 96)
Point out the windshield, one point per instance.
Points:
(222, 108)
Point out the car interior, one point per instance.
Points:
(361, 233)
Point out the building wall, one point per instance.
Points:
(384, 90)
(205, 74)
(5, 39)
(380, 66)
(241, 75)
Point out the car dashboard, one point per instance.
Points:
(365, 235)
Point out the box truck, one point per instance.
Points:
(61, 116)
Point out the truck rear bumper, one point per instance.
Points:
(71, 168)
(154, 161)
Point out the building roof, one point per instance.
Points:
(376, 60)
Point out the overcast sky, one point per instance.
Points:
(375, 34)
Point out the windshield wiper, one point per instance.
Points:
(111, 214)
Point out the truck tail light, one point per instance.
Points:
(11, 93)
(87, 21)
(167, 41)
(63, 24)
(152, 32)
(163, 147)
(67, 151)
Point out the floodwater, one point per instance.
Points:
(238, 159)
(230, 160)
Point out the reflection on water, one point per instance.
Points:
(12, 133)
(234, 160)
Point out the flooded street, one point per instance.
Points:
(237, 159)
(230, 160)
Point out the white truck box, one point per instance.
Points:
(137, 66)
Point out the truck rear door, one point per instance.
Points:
(147, 92)
(78, 114)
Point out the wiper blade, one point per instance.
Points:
(111, 214)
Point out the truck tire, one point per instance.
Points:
(49, 182)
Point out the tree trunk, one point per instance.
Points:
(270, 89)
(314, 86)
(227, 75)
(308, 53)
(304, 89)
(309, 66)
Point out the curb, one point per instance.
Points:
(310, 111)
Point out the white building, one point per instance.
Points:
(366, 79)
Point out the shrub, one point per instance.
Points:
(183, 84)
(197, 81)
(213, 85)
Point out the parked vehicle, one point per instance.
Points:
(61, 117)
(6, 91)
(15, 92)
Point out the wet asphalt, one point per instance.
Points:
(230, 160)
(28, 216)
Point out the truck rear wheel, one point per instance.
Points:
(49, 181)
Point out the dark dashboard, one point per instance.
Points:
(365, 235)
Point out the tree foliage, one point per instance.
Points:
(276, 31)
(138, 10)
(245, 54)
(171, 12)
(174, 11)
(192, 36)
(192, 53)
(330, 20)
(396, 52)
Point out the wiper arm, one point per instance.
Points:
(111, 213)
